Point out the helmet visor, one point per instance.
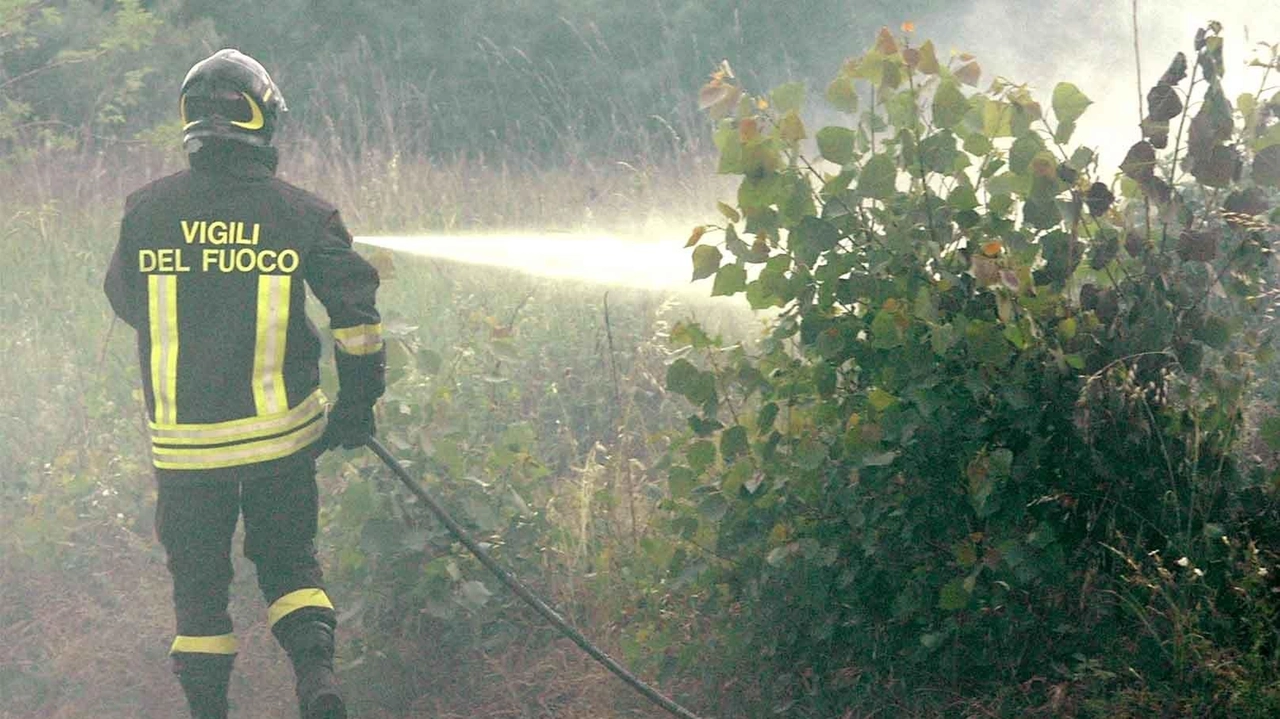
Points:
(233, 107)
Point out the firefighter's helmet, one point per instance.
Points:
(229, 95)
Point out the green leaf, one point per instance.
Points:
(730, 280)
(685, 379)
(879, 178)
(938, 152)
(812, 237)
(842, 95)
(997, 119)
(977, 144)
(701, 454)
(963, 198)
(1069, 103)
(1023, 151)
(1270, 433)
(728, 211)
(953, 596)
(949, 105)
(880, 400)
(733, 442)
(706, 261)
(681, 481)
(836, 144)
(759, 192)
(1063, 134)
(788, 97)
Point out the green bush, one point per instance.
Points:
(988, 453)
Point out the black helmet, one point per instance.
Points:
(229, 95)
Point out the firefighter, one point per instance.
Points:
(211, 270)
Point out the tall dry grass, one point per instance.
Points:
(85, 620)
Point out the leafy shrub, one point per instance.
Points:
(988, 449)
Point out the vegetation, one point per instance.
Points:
(989, 458)
(1006, 447)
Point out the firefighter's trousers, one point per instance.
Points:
(195, 521)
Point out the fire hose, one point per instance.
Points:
(520, 589)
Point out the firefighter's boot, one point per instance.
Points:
(204, 679)
(309, 644)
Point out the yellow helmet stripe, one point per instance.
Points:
(256, 120)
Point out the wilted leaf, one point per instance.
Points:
(1211, 126)
(969, 73)
(1253, 201)
(885, 44)
(1177, 70)
(1099, 199)
(698, 232)
(1140, 162)
(718, 98)
(1163, 103)
(1197, 245)
(1104, 247)
(1219, 168)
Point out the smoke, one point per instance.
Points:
(1092, 45)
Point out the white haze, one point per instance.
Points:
(1091, 44)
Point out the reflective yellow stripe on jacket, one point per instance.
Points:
(359, 340)
(241, 441)
(276, 431)
(268, 357)
(162, 298)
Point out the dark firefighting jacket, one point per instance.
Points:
(211, 269)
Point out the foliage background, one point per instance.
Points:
(879, 506)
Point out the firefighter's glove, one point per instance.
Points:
(361, 381)
(350, 426)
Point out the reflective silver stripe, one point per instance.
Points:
(240, 429)
(359, 340)
(269, 395)
(162, 297)
(237, 454)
